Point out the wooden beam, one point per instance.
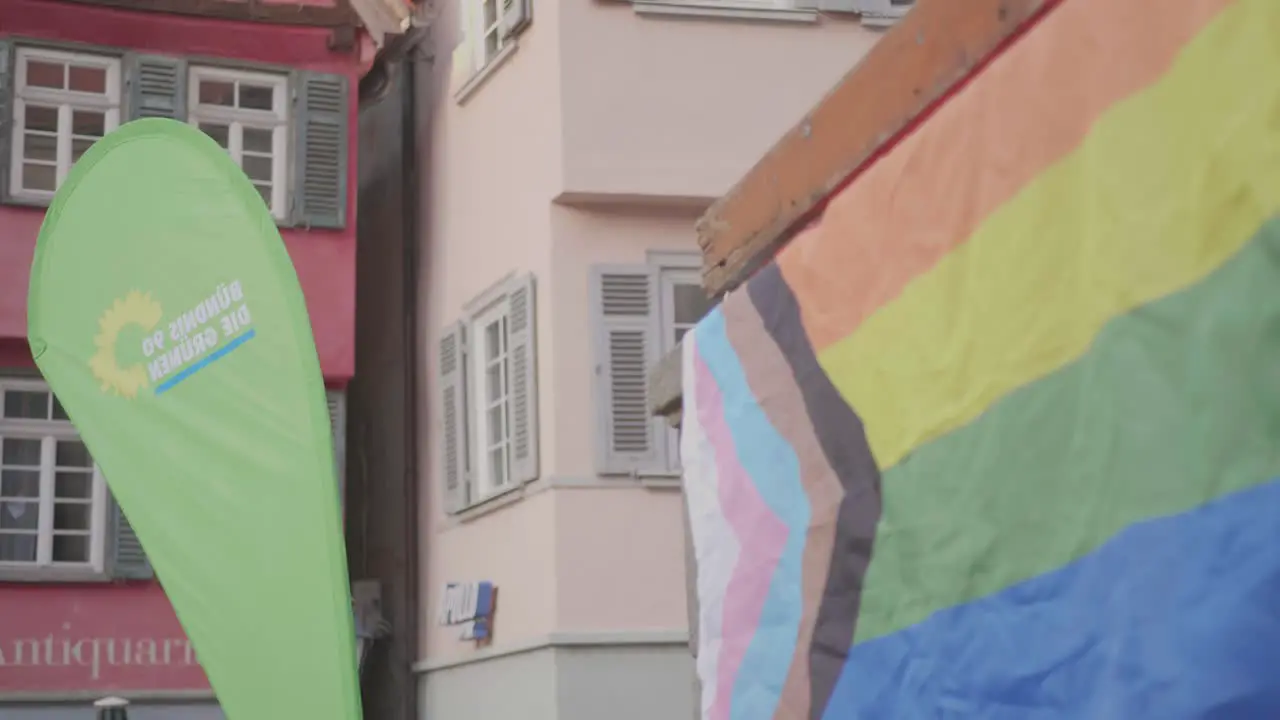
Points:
(925, 57)
(340, 15)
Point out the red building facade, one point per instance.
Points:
(81, 616)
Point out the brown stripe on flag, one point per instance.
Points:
(769, 376)
(842, 442)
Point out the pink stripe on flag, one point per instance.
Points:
(762, 536)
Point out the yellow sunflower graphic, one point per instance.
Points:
(136, 308)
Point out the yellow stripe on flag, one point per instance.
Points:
(1169, 184)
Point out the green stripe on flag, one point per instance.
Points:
(1175, 403)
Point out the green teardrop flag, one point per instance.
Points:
(167, 317)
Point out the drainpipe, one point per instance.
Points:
(112, 708)
(400, 57)
(410, 196)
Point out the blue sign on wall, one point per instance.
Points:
(468, 606)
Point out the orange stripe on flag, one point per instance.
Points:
(1030, 108)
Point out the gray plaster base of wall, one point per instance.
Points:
(635, 682)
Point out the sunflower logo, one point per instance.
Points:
(136, 308)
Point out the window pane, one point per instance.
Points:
(490, 13)
(73, 453)
(492, 341)
(689, 302)
(256, 97)
(217, 92)
(39, 177)
(45, 74)
(26, 404)
(491, 46)
(257, 140)
(71, 516)
(264, 189)
(20, 483)
(73, 485)
(79, 147)
(88, 79)
(36, 146)
(38, 117)
(89, 122)
(221, 134)
(496, 434)
(21, 452)
(257, 167)
(493, 382)
(71, 548)
(58, 412)
(19, 515)
(680, 331)
(498, 466)
(18, 547)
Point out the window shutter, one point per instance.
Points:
(157, 87)
(6, 112)
(515, 16)
(320, 143)
(453, 417)
(625, 319)
(875, 13)
(879, 13)
(338, 423)
(128, 561)
(522, 348)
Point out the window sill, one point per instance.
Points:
(42, 202)
(646, 481)
(52, 575)
(741, 11)
(877, 21)
(493, 502)
(658, 482)
(33, 201)
(483, 74)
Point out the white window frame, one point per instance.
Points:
(49, 432)
(479, 406)
(66, 101)
(236, 119)
(668, 279)
(477, 29)
(669, 276)
(468, 477)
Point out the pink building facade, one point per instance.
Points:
(572, 146)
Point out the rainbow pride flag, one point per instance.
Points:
(999, 437)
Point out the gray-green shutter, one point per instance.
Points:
(320, 147)
(6, 113)
(624, 311)
(338, 424)
(875, 13)
(882, 13)
(522, 348)
(453, 418)
(157, 87)
(128, 560)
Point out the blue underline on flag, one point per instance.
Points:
(205, 362)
